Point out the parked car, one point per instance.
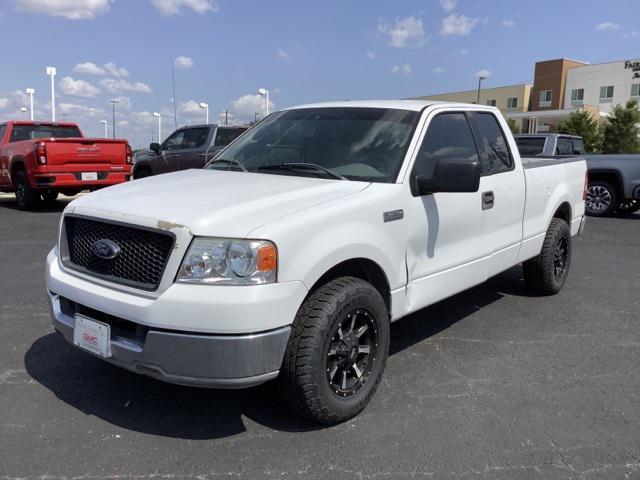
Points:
(39, 160)
(289, 255)
(187, 147)
(614, 180)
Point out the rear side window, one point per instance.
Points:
(32, 132)
(227, 135)
(492, 144)
(530, 146)
(448, 136)
(3, 128)
(564, 146)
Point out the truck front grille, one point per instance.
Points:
(141, 260)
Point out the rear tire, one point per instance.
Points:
(602, 199)
(26, 197)
(547, 273)
(50, 196)
(337, 351)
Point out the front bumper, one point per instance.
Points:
(185, 358)
(213, 336)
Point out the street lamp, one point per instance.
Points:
(106, 131)
(480, 79)
(156, 114)
(113, 103)
(264, 92)
(206, 107)
(51, 71)
(31, 92)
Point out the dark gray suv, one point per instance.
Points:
(187, 147)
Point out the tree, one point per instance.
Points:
(621, 130)
(584, 125)
(513, 126)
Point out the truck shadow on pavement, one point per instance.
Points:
(138, 403)
(50, 207)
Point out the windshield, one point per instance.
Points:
(31, 132)
(365, 144)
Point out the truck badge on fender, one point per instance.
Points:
(393, 215)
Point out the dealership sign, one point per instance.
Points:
(634, 66)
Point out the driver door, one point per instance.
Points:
(447, 250)
(167, 160)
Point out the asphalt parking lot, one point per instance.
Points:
(492, 383)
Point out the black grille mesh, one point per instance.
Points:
(143, 253)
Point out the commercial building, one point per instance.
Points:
(509, 99)
(563, 86)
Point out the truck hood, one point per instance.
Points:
(214, 202)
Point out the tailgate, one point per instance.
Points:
(86, 151)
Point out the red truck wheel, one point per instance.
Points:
(26, 197)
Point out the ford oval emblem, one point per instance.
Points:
(106, 249)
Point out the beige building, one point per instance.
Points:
(509, 99)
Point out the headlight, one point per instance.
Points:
(223, 261)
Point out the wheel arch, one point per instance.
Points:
(610, 176)
(564, 212)
(363, 268)
(17, 164)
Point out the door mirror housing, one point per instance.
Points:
(457, 175)
(155, 147)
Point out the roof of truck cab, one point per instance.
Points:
(414, 105)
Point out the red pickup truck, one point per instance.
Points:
(39, 160)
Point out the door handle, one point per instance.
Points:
(488, 199)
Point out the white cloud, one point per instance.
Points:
(190, 107)
(78, 110)
(439, 70)
(370, 55)
(631, 34)
(448, 5)
(77, 88)
(124, 103)
(483, 73)
(4, 103)
(404, 32)
(175, 7)
(183, 63)
(508, 23)
(404, 68)
(283, 54)
(608, 26)
(71, 9)
(115, 70)
(89, 68)
(119, 85)
(247, 105)
(456, 24)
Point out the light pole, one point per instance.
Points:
(51, 71)
(480, 78)
(113, 104)
(31, 92)
(206, 107)
(106, 130)
(265, 93)
(156, 114)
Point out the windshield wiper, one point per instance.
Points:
(228, 163)
(303, 166)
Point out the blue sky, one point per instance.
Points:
(302, 51)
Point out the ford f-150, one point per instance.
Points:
(291, 253)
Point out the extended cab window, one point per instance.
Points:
(32, 132)
(227, 135)
(530, 146)
(448, 136)
(564, 146)
(494, 152)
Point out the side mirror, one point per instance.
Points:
(155, 147)
(450, 175)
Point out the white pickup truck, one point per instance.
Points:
(291, 253)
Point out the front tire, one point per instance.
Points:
(602, 199)
(50, 196)
(141, 173)
(26, 197)
(337, 351)
(547, 273)
(628, 207)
